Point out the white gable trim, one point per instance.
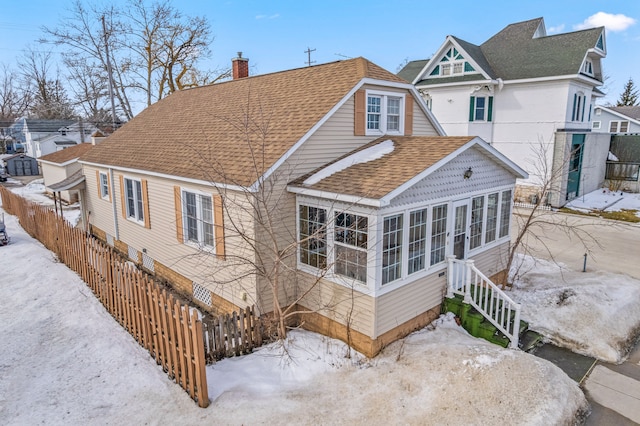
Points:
(170, 177)
(513, 167)
(349, 199)
(66, 163)
(386, 199)
(619, 115)
(436, 58)
(306, 136)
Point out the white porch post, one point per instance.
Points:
(516, 328)
(450, 272)
(467, 280)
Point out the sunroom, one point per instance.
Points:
(391, 212)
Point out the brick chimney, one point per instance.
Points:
(240, 67)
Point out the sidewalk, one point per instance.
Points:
(614, 392)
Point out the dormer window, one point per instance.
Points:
(452, 63)
(384, 113)
(587, 68)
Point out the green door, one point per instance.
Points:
(575, 166)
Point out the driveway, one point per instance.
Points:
(612, 246)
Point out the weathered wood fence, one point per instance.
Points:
(231, 335)
(170, 331)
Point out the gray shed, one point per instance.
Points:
(21, 165)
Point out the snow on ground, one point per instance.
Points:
(64, 360)
(591, 313)
(35, 191)
(604, 199)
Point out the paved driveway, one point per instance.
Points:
(617, 248)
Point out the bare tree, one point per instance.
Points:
(83, 39)
(14, 99)
(50, 98)
(261, 236)
(536, 219)
(153, 49)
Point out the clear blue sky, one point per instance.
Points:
(275, 34)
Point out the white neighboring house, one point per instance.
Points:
(524, 91)
(624, 119)
(42, 137)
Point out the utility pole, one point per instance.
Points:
(308, 52)
(106, 48)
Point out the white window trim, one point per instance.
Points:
(133, 218)
(596, 124)
(587, 67)
(329, 273)
(374, 286)
(104, 185)
(385, 95)
(185, 232)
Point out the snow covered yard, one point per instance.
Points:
(604, 200)
(35, 191)
(64, 360)
(591, 313)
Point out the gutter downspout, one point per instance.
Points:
(113, 205)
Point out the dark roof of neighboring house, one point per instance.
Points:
(214, 132)
(514, 53)
(629, 111)
(21, 155)
(411, 69)
(67, 154)
(35, 125)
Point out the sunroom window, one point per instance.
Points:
(438, 234)
(417, 240)
(313, 237)
(350, 237)
(392, 249)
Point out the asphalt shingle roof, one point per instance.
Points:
(67, 154)
(629, 111)
(514, 53)
(374, 179)
(232, 132)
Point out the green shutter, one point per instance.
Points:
(472, 108)
(490, 111)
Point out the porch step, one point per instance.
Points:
(477, 325)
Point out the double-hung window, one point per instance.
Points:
(104, 186)
(618, 127)
(384, 113)
(481, 108)
(350, 238)
(134, 202)
(313, 237)
(392, 249)
(197, 211)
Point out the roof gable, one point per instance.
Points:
(233, 132)
(523, 50)
(383, 176)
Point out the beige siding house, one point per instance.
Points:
(328, 192)
(60, 165)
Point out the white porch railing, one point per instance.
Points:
(465, 279)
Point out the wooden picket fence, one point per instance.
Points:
(171, 332)
(231, 335)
